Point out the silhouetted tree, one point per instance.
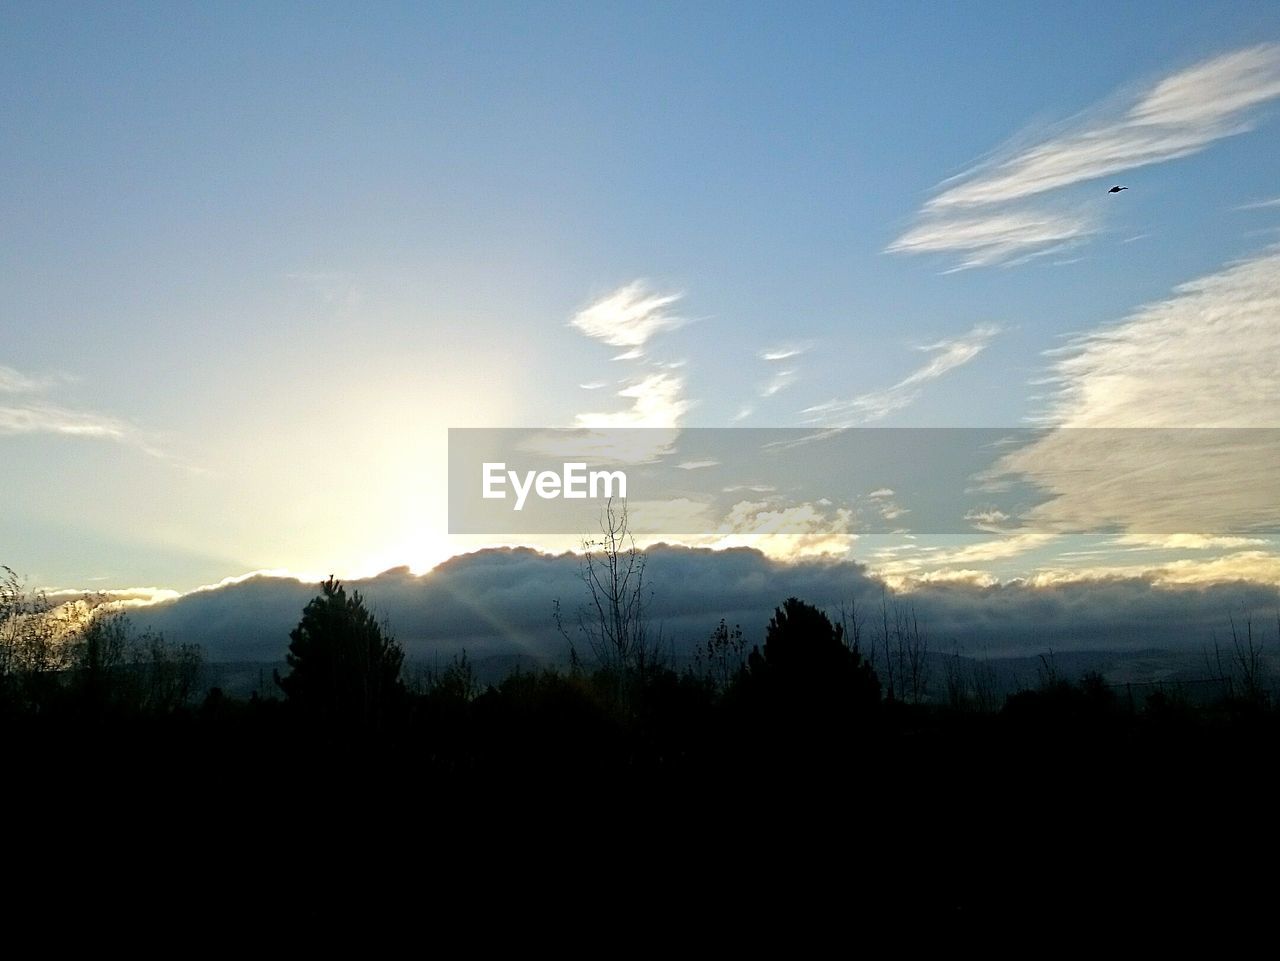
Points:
(614, 620)
(345, 670)
(1073, 712)
(98, 656)
(33, 648)
(1242, 670)
(806, 670)
(718, 661)
(113, 668)
(900, 650)
(167, 674)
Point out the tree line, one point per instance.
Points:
(815, 681)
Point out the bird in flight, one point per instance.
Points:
(1116, 190)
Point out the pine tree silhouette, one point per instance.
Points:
(344, 670)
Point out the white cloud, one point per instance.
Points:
(15, 382)
(698, 464)
(998, 238)
(1190, 542)
(778, 383)
(987, 520)
(28, 415)
(949, 354)
(121, 597)
(981, 215)
(49, 419)
(604, 445)
(783, 352)
(1184, 370)
(1003, 548)
(891, 511)
(1150, 483)
(672, 516)
(628, 317)
(1180, 115)
(787, 532)
(1205, 357)
(1261, 204)
(1259, 567)
(657, 400)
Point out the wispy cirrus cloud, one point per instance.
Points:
(982, 215)
(16, 382)
(780, 378)
(779, 382)
(42, 418)
(1261, 204)
(996, 238)
(1189, 542)
(948, 355)
(29, 412)
(1180, 115)
(1205, 357)
(653, 397)
(1012, 545)
(783, 351)
(629, 317)
(656, 400)
(787, 532)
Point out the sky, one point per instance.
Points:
(258, 259)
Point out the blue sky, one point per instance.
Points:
(258, 258)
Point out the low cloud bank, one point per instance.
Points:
(500, 602)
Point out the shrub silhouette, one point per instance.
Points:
(345, 670)
(806, 673)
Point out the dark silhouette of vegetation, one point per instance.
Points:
(613, 620)
(1240, 669)
(794, 745)
(971, 684)
(83, 658)
(801, 693)
(811, 678)
(806, 665)
(722, 658)
(344, 668)
(112, 669)
(899, 649)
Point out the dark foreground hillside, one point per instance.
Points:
(1050, 809)
(793, 765)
